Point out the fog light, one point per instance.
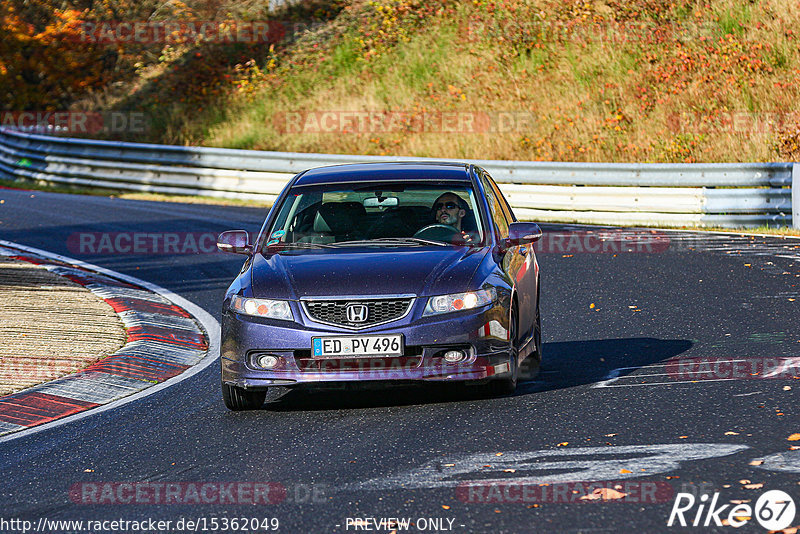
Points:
(268, 361)
(454, 356)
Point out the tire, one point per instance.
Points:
(508, 384)
(238, 399)
(530, 367)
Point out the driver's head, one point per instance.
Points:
(449, 208)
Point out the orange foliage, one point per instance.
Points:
(44, 68)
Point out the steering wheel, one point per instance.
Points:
(438, 232)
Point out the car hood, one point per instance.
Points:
(318, 273)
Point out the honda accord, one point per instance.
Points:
(382, 272)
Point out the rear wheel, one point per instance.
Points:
(508, 384)
(238, 399)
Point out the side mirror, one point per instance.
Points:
(234, 241)
(523, 233)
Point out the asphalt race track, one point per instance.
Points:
(617, 400)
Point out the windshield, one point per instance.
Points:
(381, 214)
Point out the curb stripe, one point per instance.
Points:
(125, 304)
(84, 278)
(31, 408)
(137, 318)
(94, 387)
(133, 366)
(110, 292)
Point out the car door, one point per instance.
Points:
(518, 261)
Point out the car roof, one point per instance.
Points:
(380, 172)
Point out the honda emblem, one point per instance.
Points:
(357, 313)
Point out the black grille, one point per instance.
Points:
(378, 311)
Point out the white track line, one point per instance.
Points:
(209, 323)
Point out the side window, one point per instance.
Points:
(503, 202)
(499, 218)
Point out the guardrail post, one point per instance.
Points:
(796, 196)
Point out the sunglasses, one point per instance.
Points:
(445, 205)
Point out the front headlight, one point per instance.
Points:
(460, 301)
(272, 309)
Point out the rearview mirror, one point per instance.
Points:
(523, 233)
(234, 241)
(385, 202)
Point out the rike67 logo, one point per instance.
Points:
(774, 510)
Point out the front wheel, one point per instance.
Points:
(530, 367)
(238, 399)
(508, 384)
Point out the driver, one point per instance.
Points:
(450, 209)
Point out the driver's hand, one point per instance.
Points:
(464, 237)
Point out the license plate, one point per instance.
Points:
(391, 345)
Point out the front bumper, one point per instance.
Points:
(482, 334)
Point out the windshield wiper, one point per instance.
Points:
(392, 241)
(298, 245)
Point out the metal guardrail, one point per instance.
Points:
(724, 194)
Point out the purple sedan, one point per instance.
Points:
(394, 272)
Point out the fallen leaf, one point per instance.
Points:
(673, 476)
(631, 307)
(623, 471)
(787, 388)
(731, 433)
(449, 465)
(744, 481)
(794, 437)
(747, 265)
(753, 486)
(509, 470)
(88, 470)
(445, 507)
(606, 494)
(682, 437)
(610, 435)
(565, 443)
(499, 454)
(757, 462)
(591, 306)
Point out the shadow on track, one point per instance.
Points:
(572, 363)
(566, 364)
